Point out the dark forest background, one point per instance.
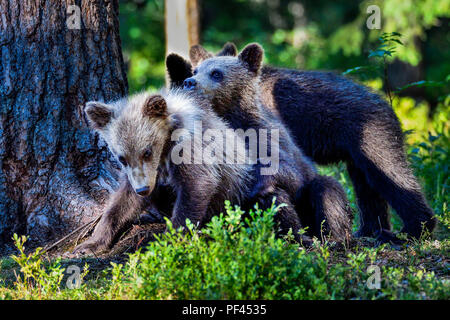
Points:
(307, 34)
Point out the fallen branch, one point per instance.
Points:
(93, 222)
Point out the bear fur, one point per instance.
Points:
(139, 132)
(333, 119)
(231, 85)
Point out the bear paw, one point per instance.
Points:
(89, 248)
(386, 236)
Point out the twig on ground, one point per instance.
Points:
(95, 221)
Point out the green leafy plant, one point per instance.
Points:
(430, 159)
(37, 279)
(384, 52)
(40, 278)
(238, 256)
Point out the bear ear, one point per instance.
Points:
(229, 49)
(252, 56)
(98, 114)
(155, 106)
(178, 69)
(197, 54)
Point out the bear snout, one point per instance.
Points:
(189, 84)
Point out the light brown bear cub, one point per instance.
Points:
(154, 138)
(138, 131)
(232, 86)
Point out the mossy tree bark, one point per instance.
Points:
(54, 172)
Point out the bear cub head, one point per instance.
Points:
(224, 78)
(136, 130)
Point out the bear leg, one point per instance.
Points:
(124, 206)
(373, 209)
(387, 171)
(323, 206)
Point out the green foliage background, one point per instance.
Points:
(307, 34)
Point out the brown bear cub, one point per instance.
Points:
(139, 131)
(155, 139)
(231, 85)
(333, 119)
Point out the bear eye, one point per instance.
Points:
(217, 75)
(195, 72)
(147, 154)
(123, 161)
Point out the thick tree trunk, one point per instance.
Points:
(54, 173)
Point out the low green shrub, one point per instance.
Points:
(238, 256)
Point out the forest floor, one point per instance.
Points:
(419, 270)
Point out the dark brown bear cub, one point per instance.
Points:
(231, 85)
(333, 119)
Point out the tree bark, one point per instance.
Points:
(55, 174)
